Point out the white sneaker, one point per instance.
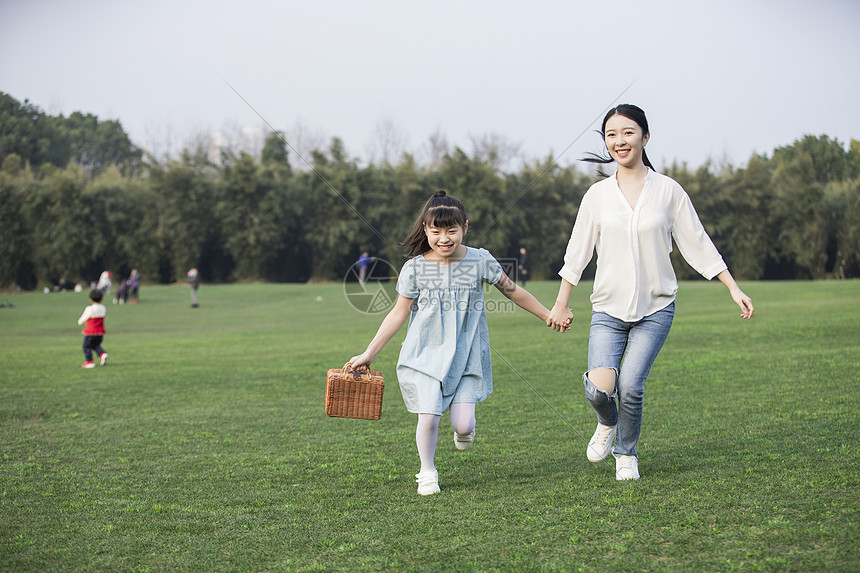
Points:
(626, 467)
(103, 359)
(428, 482)
(601, 443)
(465, 441)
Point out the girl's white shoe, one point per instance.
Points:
(428, 482)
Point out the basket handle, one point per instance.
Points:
(356, 373)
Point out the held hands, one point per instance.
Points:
(560, 318)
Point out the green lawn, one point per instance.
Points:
(203, 444)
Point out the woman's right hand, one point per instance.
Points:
(560, 318)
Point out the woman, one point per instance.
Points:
(630, 219)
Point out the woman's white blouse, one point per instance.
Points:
(634, 276)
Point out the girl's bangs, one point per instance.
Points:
(444, 217)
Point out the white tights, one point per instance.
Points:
(427, 432)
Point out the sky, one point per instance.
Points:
(719, 80)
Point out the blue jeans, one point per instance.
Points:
(628, 348)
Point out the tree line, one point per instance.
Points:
(77, 197)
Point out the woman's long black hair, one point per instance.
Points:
(440, 211)
(629, 111)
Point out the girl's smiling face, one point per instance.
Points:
(446, 242)
(625, 141)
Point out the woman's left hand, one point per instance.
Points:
(744, 302)
(738, 295)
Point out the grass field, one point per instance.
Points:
(203, 444)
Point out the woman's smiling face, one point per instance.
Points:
(625, 141)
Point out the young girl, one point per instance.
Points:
(628, 219)
(445, 360)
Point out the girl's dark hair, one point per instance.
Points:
(629, 111)
(96, 295)
(440, 211)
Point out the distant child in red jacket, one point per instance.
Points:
(94, 318)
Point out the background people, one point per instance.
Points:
(104, 283)
(64, 285)
(523, 266)
(93, 320)
(133, 286)
(364, 262)
(193, 284)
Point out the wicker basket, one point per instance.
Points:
(354, 393)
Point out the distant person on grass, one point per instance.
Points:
(134, 286)
(193, 283)
(128, 290)
(63, 284)
(93, 320)
(630, 218)
(445, 360)
(523, 266)
(105, 282)
(364, 262)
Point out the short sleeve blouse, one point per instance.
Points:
(447, 337)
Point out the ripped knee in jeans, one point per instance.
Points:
(600, 383)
